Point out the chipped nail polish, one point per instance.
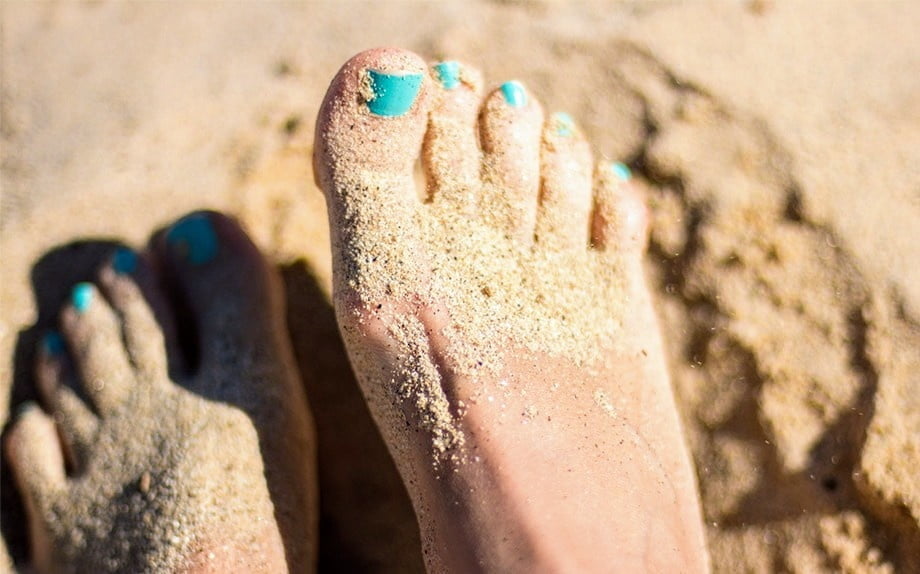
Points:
(448, 74)
(393, 94)
(621, 172)
(563, 124)
(514, 94)
(53, 344)
(124, 261)
(81, 296)
(193, 239)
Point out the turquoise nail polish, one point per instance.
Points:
(81, 296)
(53, 344)
(621, 172)
(24, 408)
(563, 124)
(394, 94)
(514, 93)
(448, 74)
(194, 239)
(124, 261)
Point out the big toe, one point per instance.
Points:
(369, 137)
(226, 292)
(374, 116)
(230, 298)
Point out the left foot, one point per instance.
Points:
(215, 475)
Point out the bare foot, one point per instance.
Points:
(213, 474)
(500, 325)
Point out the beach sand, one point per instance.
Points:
(778, 144)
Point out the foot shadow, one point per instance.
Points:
(52, 278)
(366, 520)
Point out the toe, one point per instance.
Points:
(374, 115)
(368, 139)
(566, 192)
(129, 284)
(56, 383)
(37, 463)
(620, 220)
(35, 457)
(230, 292)
(451, 151)
(93, 333)
(510, 128)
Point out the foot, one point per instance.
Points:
(500, 325)
(133, 472)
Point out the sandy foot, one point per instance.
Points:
(176, 436)
(499, 323)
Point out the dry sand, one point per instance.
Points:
(780, 146)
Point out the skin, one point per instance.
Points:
(580, 486)
(134, 473)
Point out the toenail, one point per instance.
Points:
(124, 261)
(392, 95)
(514, 93)
(53, 344)
(81, 296)
(563, 124)
(621, 172)
(448, 74)
(193, 239)
(24, 408)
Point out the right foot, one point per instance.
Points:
(500, 325)
(215, 475)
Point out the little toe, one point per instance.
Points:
(56, 383)
(620, 220)
(511, 125)
(35, 457)
(451, 151)
(368, 139)
(129, 284)
(566, 193)
(228, 288)
(94, 336)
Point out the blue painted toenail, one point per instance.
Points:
(24, 408)
(194, 239)
(81, 296)
(393, 94)
(621, 172)
(53, 344)
(563, 124)
(448, 74)
(514, 94)
(124, 261)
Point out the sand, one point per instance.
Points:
(778, 143)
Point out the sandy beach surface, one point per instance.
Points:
(779, 144)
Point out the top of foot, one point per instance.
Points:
(498, 321)
(508, 206)
(179, 453)
(518, 236)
